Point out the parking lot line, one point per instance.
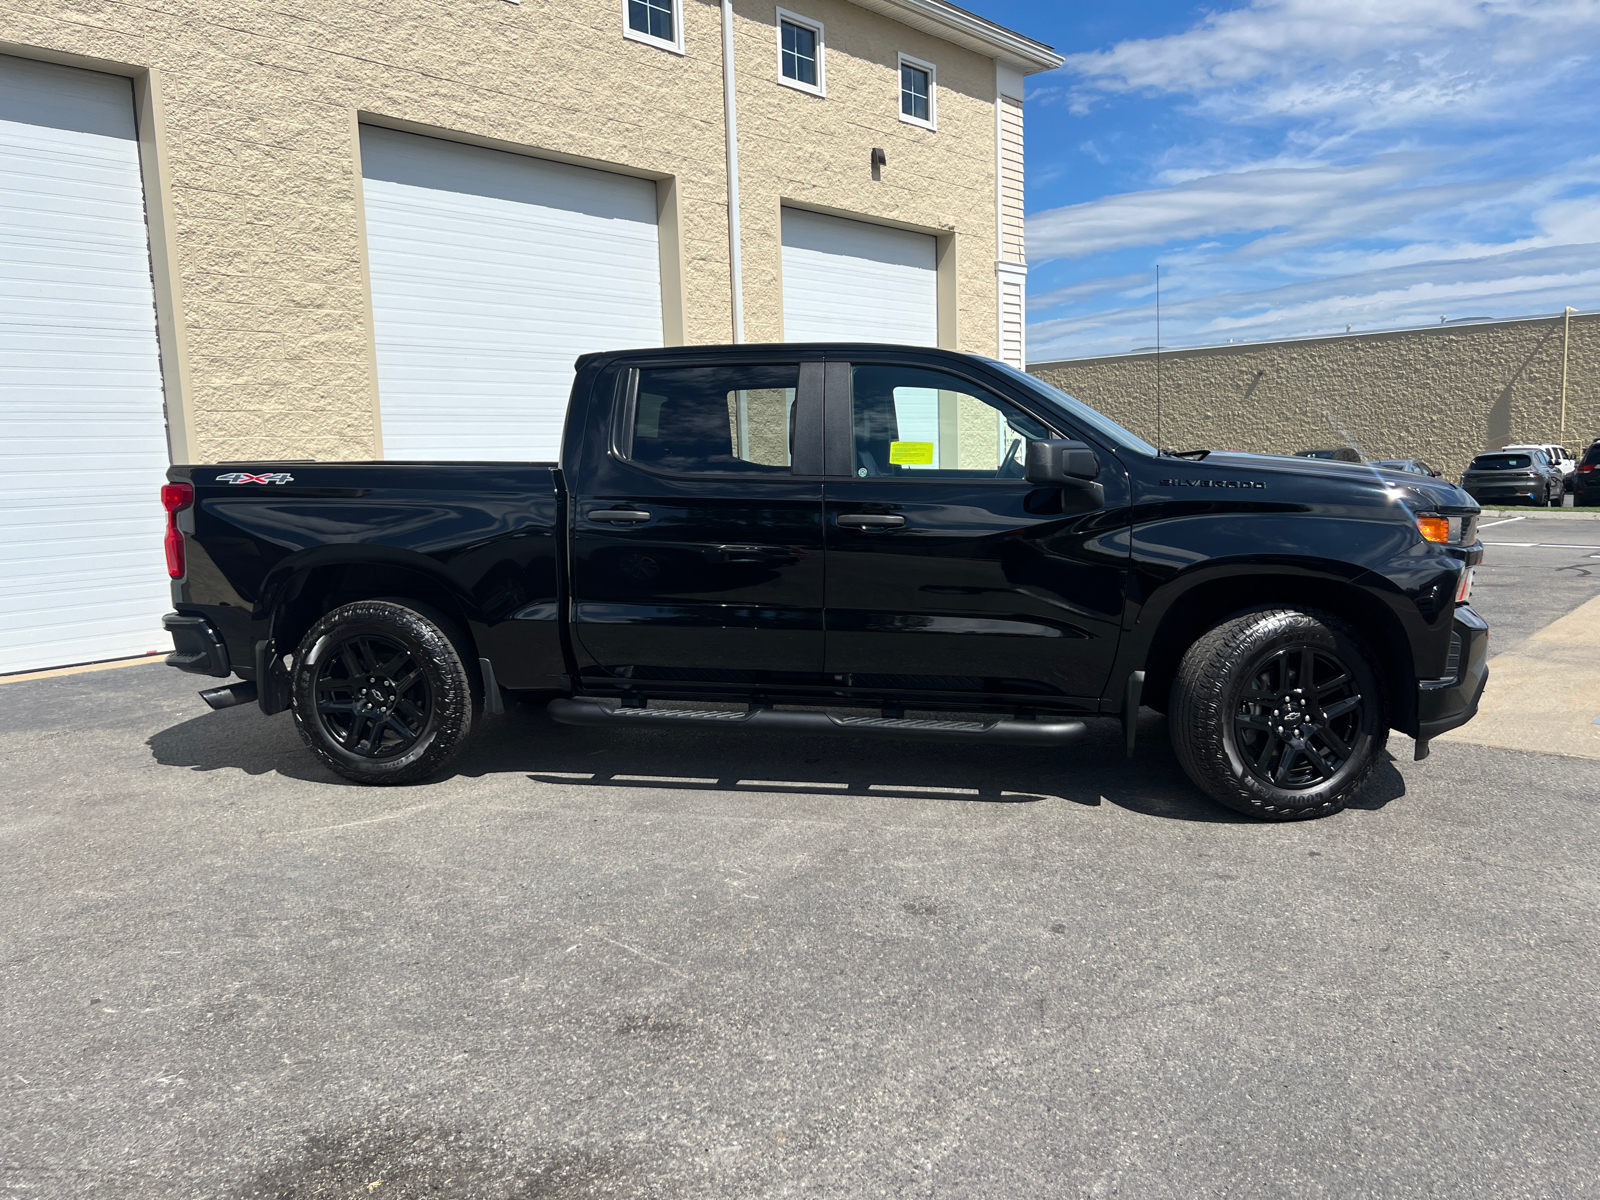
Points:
(1502, 521)
(1521, 710)
(1543, 545)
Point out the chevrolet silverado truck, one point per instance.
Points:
(854, 540)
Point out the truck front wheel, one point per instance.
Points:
(381, 694)
(1278, 714)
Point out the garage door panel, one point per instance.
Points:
(491, 273)
(80, 383)
(853, 281)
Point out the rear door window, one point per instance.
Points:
(714, 420)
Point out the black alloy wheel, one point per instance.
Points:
(373, 697)
(1278, 713)
(1297, 718)
(382, 693)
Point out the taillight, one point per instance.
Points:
(175, 497)
(1586, 467)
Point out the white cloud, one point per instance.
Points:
(1234, 202)
(1361, 61)
(1539, 280)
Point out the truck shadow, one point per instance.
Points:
(525, 741)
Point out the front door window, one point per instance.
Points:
(912, 422)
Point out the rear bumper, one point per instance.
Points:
(1445, 704)
(197, 647)
(1503, 493)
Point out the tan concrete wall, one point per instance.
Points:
(1441, 395)
(816, 152)
(258, 146)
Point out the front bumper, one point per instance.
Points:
(1445, 704)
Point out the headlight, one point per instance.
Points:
(1448, 531)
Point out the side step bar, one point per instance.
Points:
(1002, 730)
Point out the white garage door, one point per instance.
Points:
(848, 281)
(84, 451)
(492, 272)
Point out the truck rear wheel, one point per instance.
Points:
(1278, 714)
(381, 694)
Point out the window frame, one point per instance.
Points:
(807, 450)
(634, 35)
(906, 60)
(840, 423)
(820, 88)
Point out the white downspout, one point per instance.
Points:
(735, 259)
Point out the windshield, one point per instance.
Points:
(1077, 410)
(1501, 462)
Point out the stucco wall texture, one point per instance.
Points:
(259, 143)
(1441, 394)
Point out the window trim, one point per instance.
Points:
(820, 88)
(808, 391)
(1001, 390)
(906, 60)
(634, 35)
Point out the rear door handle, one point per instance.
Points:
(618, 516)
(870, 520)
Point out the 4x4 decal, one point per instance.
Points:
(246, 477)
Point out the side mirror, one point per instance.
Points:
(1054, 462)
(1071, 466)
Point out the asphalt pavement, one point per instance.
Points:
(700, 964)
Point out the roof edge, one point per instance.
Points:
(1463, 326)
(945, 20)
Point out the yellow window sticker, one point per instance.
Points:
(911, 454)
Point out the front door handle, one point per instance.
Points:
(870, 520)
(618, 516)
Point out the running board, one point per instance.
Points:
(1007, 731)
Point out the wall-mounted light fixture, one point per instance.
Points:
(879, 161)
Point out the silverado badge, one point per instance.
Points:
(246, 477)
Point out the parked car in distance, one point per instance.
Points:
(1559, 457)
(786, 530)
(1336, 453)
(1414, 465)
(1513, 477)
(1586, 479)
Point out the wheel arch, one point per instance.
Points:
(321, 582)
(1188, 612)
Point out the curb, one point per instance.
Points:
(1557, 514)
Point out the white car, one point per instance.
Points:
(1559, 456)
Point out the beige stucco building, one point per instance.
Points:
(271, 288)
(1441, 394)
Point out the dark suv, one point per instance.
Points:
(1586, 479)
(1513, 477)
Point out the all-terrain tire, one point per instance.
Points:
(1256, 735)
(381, 692)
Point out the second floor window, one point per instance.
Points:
(916, 92)
(654, 20)
(799, 53)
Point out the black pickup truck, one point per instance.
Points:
(842, 539)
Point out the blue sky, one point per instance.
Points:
(1299, 166)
